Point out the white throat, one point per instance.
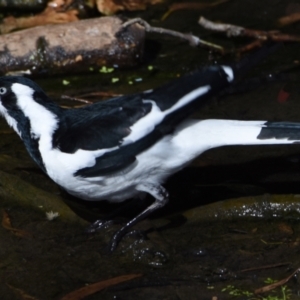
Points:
(42, 121)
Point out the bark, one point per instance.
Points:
(72, 47)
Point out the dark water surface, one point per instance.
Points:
(234, 209)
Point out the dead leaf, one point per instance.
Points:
(283, 96)
(109, 7)
(6, 223)
(54, 14)
(98, 286)
(285, 228)
(21, 293)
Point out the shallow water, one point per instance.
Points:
(234, 209)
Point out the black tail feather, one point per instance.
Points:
(280, 130)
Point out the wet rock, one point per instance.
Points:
(265, 206)
(14, 192)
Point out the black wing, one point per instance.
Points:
(99, 126)
(105, 124)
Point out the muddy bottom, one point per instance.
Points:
(179, 258)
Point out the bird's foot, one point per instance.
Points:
(99, 224)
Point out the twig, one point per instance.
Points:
(276, 284)
(259, 35)
(250, 46)
(191, 6)
(101, 94)
(85, 101)
(265, 267)
(288, 20)
(193, 40)
(66, 97)
(231, 30)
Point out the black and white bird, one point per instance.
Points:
(128, 146)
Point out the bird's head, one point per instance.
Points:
(17, 91)
(30, 112)
(24, 104)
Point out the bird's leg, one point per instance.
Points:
(161, 199)
(113, 217)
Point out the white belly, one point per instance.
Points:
(153, 166)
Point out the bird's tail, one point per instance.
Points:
(230, 132)
(193, 137)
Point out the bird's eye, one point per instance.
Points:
(2, 90)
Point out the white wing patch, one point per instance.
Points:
(147, 124)
(229, 73)
(186, 99)
(144, 125)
